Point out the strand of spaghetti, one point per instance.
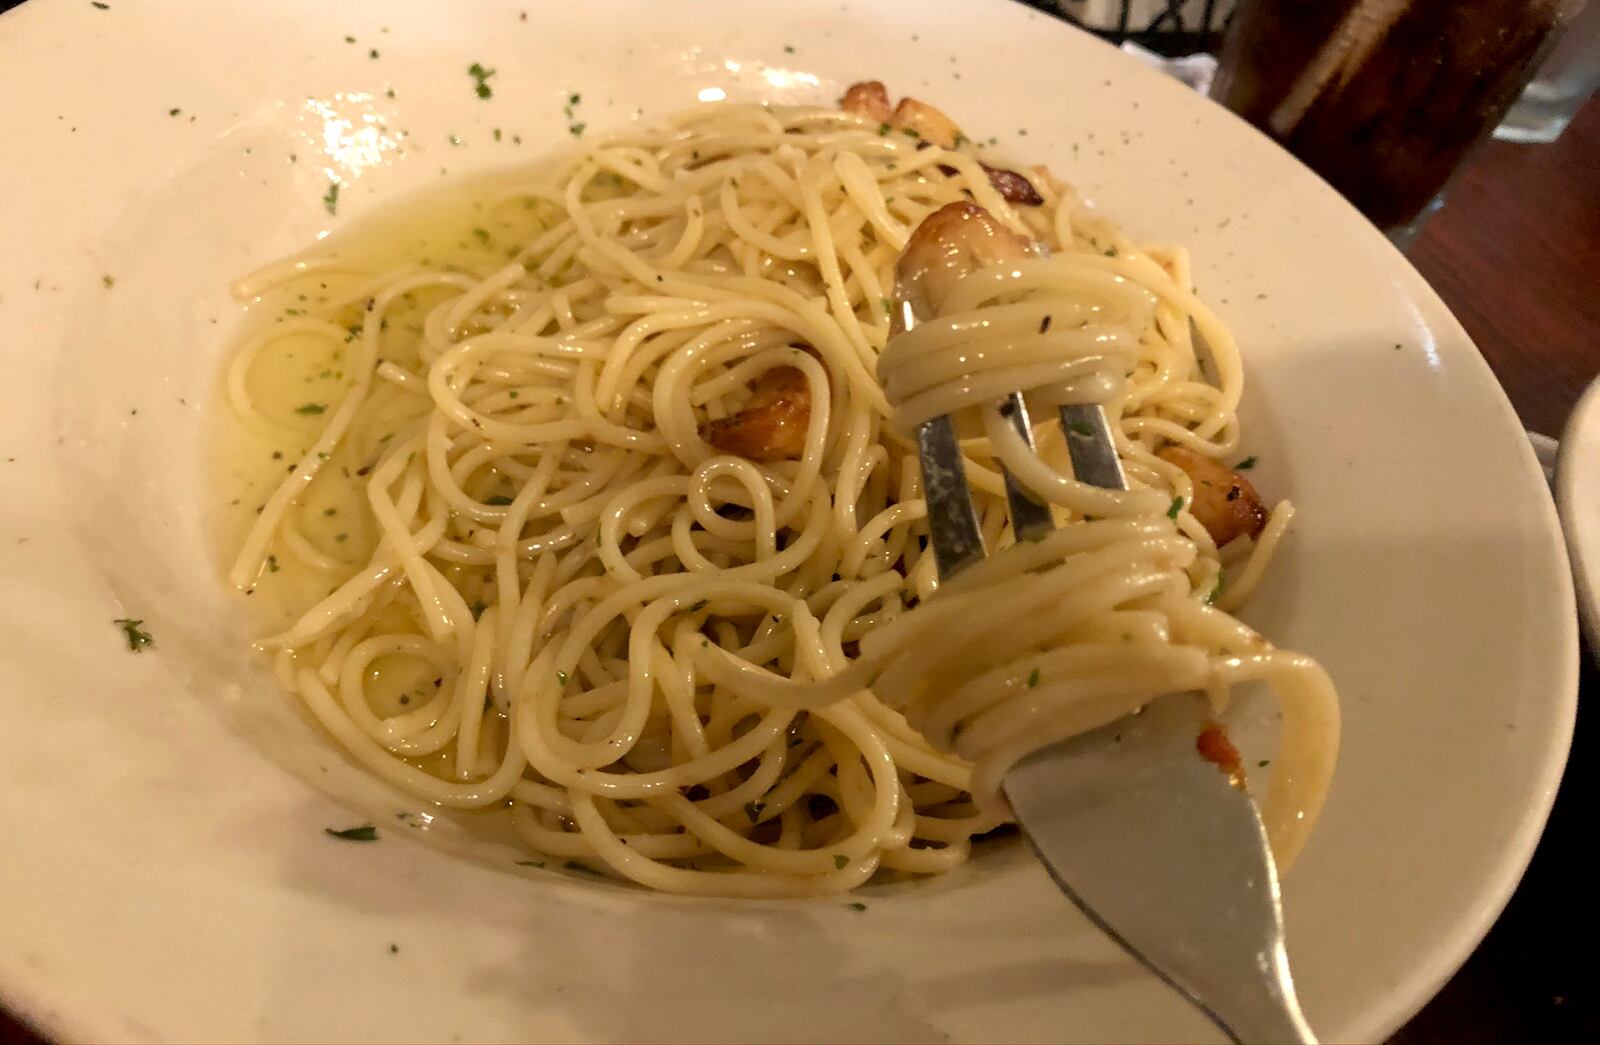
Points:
(1244, 583)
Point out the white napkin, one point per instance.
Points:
(1196, 70)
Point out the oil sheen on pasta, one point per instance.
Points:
(467, 492)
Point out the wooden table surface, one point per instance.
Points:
(1515, 253)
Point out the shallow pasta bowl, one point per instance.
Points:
(165, 872)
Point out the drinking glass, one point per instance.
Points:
(1383, 98)
(1561, 86)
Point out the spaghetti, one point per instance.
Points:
(520, 575)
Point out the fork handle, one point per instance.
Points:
(1256, 1006)
(1171, 861)
(1263, 1011)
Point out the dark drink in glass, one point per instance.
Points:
(1382, 97)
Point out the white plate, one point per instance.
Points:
(1578, 495)
(164, 872)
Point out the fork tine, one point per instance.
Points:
(1089, 442)
(1030, 520)
(952, 521)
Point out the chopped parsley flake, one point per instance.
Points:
(480, 80)
(372, 53)
(97, 3)
(481, 235)
(856, 905)
(498, 499)
(137, 637)
(576, 130)
(839, 860)
(108, 281)
(883, 130)
(1177, 506)
(174, 112)
(561, 677)
(1033, 678)
(311, 408)
(1264, 763)
(1044, 324)
(1246, 464)
(788, 49)
(330, 199)
(530, 863)
(272, 564)
(1216, 593)
(364, 833)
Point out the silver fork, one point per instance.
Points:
(1151, 841)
